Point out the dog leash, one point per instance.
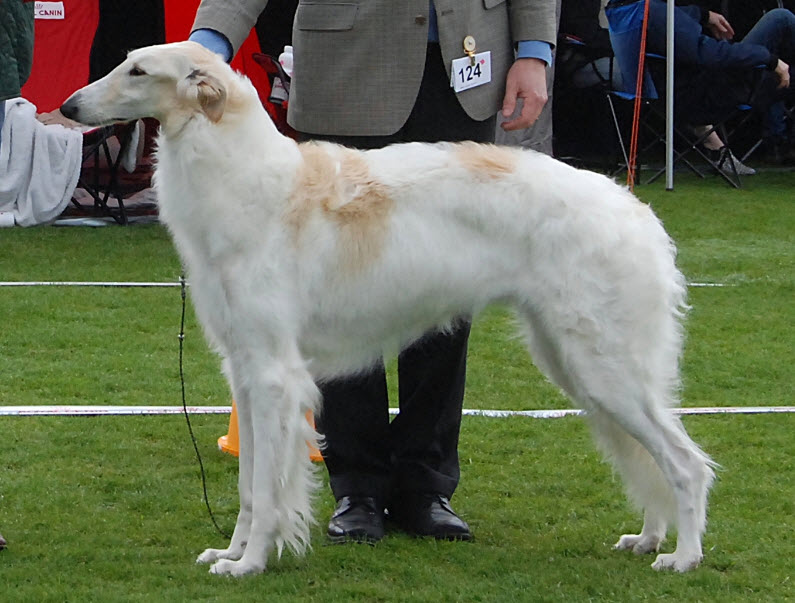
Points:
(183, 293)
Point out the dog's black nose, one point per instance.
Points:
(69, 108)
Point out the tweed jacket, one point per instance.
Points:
(358, 64)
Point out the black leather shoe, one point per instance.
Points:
(429, 515)
(357, 519)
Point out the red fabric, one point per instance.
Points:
(61, 54)
(179, 19)
(62, 48)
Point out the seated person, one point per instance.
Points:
(714, 75)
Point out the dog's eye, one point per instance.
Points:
(136, 71)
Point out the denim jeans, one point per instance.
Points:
(775, 31)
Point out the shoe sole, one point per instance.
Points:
(458, 536)
(448, 537)
(353, 539)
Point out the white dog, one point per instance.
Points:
(308, 261)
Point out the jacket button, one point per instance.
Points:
(420, 19)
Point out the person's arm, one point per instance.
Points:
(719, 26)
(527, 79)
(534, 27)
(213, 40)
(232, 18)
(782, 71)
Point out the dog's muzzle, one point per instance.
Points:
(70, 108)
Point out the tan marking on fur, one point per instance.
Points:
(486, 160)
(334, 183)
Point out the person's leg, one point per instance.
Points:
(425, 434)
(355, 410)
(354, 422)
(432, 372)
(355, 414)
(776, 31)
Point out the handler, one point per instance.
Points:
(368, 74)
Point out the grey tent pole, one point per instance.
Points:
(669, 99)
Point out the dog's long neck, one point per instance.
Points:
(224, 176)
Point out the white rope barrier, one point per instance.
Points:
(176, 284)
(91, 411)
(88, 410)
(85, 284)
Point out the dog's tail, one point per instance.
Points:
(299, 478)
(646, 485)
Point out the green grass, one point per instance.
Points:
(110, 508)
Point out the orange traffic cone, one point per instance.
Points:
(230, 443)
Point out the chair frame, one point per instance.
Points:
(95, 146)
(684, 143)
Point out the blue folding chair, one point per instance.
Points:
(625, 23)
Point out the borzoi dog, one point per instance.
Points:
(308, 261)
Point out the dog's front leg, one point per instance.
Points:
(237, 546)
(263, 460)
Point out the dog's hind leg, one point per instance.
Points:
(685, 468)
(665, 472)
(645, 483)
(245, 478)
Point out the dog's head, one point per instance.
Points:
(170, 82)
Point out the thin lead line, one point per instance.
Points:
(185, 409)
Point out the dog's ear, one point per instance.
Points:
(209, 92)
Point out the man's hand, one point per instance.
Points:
(782, 71)
(527, 79)
(719, 27)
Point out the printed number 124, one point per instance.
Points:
(465, 74)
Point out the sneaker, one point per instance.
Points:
(725, 163)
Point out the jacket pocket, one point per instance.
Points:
(325, 17)
(492, 3)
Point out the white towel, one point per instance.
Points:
(39, 165)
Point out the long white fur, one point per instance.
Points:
(306, 262)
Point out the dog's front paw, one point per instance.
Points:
(638, 544)
(228, 567)
(212, 555)
(676, 561)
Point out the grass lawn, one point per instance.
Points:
(110, 508)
